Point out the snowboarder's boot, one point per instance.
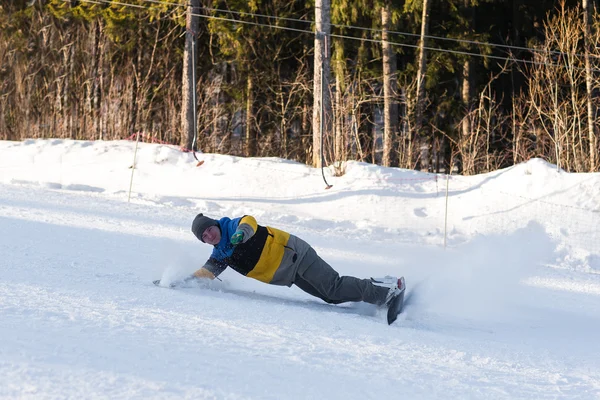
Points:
(395, 297)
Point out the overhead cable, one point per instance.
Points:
(435, 49)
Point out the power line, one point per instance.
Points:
(460, 52)
(111, 2)
(438, 49)
(464, 41)
(374, 30)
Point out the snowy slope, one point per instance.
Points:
(509, 309)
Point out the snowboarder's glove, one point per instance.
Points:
(237, 238)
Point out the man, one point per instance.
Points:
(278, 258)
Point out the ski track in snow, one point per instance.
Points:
(112, 333)
(168, 343)
(81, 318)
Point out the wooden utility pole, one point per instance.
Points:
(390, 87)
(321, 98)
(189, 104)
(420, 101)
(589, 82)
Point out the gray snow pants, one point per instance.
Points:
(319, 279)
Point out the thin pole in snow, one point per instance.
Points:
(137, 140)
(446, 212)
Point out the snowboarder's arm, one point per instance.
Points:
(245, 230)
(211, 269)
(204, 273)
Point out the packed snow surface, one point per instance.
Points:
(502, 273)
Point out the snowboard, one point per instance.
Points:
(395, 307)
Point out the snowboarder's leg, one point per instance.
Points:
(319, 277)
(307, 287)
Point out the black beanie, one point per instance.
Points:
(200, 224)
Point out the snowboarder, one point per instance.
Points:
(278, 258)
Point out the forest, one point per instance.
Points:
(453, 86)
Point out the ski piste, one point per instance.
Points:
(394, 308)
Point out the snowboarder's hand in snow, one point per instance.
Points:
(189, 279)
(237, 238)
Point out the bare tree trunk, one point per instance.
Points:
(97, 79)
(420, 101)
(466, 163)
(94, 82)
(283, 134)
(216, 107)
(224, 116)
(69, 101)
(365, 132)
(340, 144)
(188, 123)
(589, 86)
(405, 153)
(390, 110)
(467, 129)
(305, 128)
(135, 91)
(466, 96)
(250, 126)
(321, 78)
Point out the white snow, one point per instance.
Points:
(509, 309)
